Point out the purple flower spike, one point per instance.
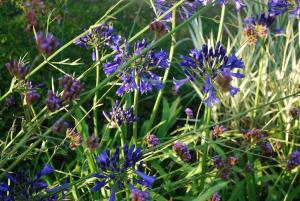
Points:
(46, 43)
(138, 195)
(215, 197)
(294, 160)
(53, 101)
(72, 88)
(17, 68)
(182, 151)
(152, 141)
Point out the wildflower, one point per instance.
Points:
(31, 95)
(141, 69)
(295, 112)
(257, 27)
(278, 7)
(22, 187)
(255, 134)
(53, 101)
(158, 27)
(114, 172)
(99, 36)
(239, 4)
(182, 151)
(151, 140)
(33, 9)
(72, 88)
(294, 160)
(60, 126)
(215, 197)
(218, 130)
(18, 69)
(138, 195)
(189, 112)
(186, 9)
(225, 166)
(46, 43)
(266, 147)
(213, 69)
(92, 142)
(120, 115)
(250, 35)
(76, 138)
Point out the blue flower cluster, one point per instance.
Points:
(118, 115)
(115, 172)
(140, 75)
(22, 187)
(212, 67)
(278, 7)
(186, 9)
(98, 37)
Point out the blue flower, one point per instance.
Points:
(100, 36)
(186, 9)
(143, 68)
(118, 115)
(278, 7)
(119, 173)
(22, 187)
(239, 4)
(213, 68)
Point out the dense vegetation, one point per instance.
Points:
(149, 100)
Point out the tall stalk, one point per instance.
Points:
(95, 118)
(207, 113)
(165, 78)
(135, 105)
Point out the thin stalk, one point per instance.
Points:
(95, 118)
(165, 78)
(220, 31)
(135, 105)
(205, 146)
(258, 85)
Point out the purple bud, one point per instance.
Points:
(152, 141)
(182, 151)
(294, 160)
(189, 112)
(17, 69)
(46, 43)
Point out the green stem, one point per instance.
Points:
(95, 118)
(160, 93)
(220, 31)
(135, 105)
(258, 85)
(205, 146)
